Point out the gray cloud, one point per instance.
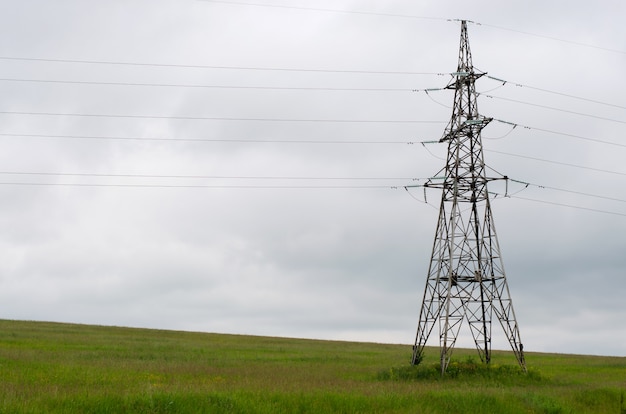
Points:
(308, 262)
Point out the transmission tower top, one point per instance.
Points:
(465, 110)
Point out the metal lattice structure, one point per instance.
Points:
(466, 279)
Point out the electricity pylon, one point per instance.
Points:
(466, 279)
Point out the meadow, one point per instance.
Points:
(65, 368)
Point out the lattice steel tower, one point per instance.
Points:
(466, 279)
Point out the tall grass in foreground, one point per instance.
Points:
(62, 368)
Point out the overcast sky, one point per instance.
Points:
(235, 168)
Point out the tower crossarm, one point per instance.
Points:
(469, 127)
(464, 78)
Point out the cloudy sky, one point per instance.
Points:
(237, 168)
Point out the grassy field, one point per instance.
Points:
(62, 368)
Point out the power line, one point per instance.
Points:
(210, 118)
(259, 186)
(284, 187)
(434, 100)
(553, 108)
(209, 186)
(501, 136)
(220, 67)
(317, 9)
(587, 45)
(313, 88)
(569, 191)
(213, 177)
(595, 210)
(312, 142)
(504, 82)
(217, 140)
(408, 16)
(303, 88)
(543, 159)
(556, 162)
(172, 85)
(561, 133)
(221, 140)
(335, 89)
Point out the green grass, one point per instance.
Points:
(62, 368)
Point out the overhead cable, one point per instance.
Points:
(562, 133)
(173, 85)
(213, 186)
(220, 67)
(569, 191)
(220, 140)
(552, 108)
(217, 118)
(270, 187)
(504, 82)
(318, 9)
(572, 42)
(595, 210)
(556, 162)
(408, 16)
(212, 177)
